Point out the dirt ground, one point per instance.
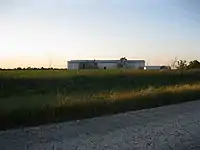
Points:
(174, 127)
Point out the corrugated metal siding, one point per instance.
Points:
(152, 67)
(72, 65)
(109, 64)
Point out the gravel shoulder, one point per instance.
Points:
(170, 127)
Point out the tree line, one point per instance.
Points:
(176, 64)
(183, 64)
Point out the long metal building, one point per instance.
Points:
(104, 64)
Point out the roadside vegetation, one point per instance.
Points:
(33, 97)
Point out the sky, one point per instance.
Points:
(47, 33)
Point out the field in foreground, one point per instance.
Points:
(35, 97)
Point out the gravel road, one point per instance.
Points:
(175, 127)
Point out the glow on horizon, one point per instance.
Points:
(35, 33)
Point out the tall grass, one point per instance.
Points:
(30, 82)
(37, 97)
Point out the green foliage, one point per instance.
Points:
(31, 97)
(41, 112)
(194, 65)
(122, 63)
(182, 64)
(165, 67)
(29, 82)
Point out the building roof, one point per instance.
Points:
(104, 61)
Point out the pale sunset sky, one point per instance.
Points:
(37, 32)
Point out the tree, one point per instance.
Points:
(122, 63)
(19, 68)
(123, 59)
(165, 67)
(181, 64)
(193, 65)
(29, 68)
(95, 65)
(174, 63)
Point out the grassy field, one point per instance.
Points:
(32, 97)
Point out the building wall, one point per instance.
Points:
(73, 65)
(152, 67)
(136, 65)
(107, 65)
